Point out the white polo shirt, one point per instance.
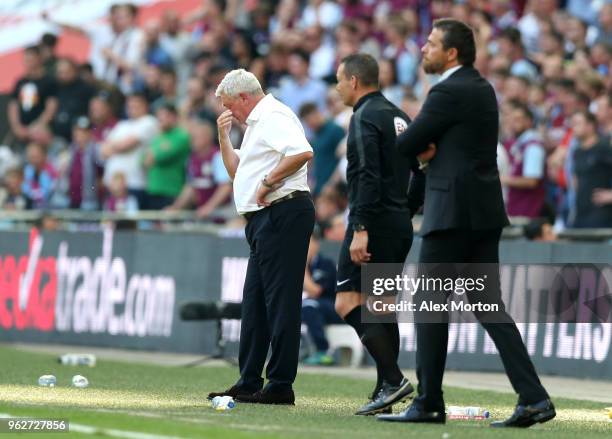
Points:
(273, 132)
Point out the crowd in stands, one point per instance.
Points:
(134, 128)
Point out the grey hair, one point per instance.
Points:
(239, 81)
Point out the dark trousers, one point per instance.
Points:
(316, 313)
(278, 237)
(464, 246)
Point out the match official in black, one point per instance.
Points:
(381, 207)
(463, 218)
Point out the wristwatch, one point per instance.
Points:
(359, 228)
(264, 182)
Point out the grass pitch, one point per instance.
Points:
(143, 401)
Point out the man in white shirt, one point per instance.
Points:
(124, 146)
(271, 192)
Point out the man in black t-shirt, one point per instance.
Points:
(73, 96)
(383, 196)
(592, 172)
(33, 99)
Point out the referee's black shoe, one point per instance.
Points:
(527, 415)
(387, 396)
(415, 414)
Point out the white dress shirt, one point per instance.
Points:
(449, 72)
(273, 132)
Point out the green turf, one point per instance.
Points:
(172, 401)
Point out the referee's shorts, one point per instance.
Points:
(384, 249)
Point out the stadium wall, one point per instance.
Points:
(123, 290)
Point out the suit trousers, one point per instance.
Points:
(278, 237)
(470, 247)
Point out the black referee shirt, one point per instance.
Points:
(382, 195)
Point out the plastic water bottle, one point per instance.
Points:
(80, 381)
(457, 412)
(47, 381)
(221, 403)
(78, 360)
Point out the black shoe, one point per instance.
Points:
(526, 415)
(414, 414)
(267, 397)
(233, 391)
(387, 396)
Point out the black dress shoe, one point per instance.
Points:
(387, 396)
(233, 391)
(527, 415)
(414, 414)
(267, 397)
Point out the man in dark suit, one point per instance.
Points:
(455, 137)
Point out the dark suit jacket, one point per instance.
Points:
(462, 190)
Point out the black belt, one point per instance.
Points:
(292, 195)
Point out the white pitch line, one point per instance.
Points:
(88, 429)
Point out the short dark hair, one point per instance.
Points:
(307, 109)
(511, 34)
(459, 35)
(33, 50)
(589, 117)
(363, 67)
(533, 229)
(49, 40)
(524, 109)
(170, 108)
(305, 56)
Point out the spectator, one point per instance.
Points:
(208, 186)
(318, 305)
(154, 52)
(165, 160)
(117, 48)
(167, 87)
(539, 229)
(33, 99)
(592, 167)
(11, 193)
(73, 96)
(402, 49)
(47, 45)
(602, 33)
(321, 52)
(604, 114)
(101, 116)
(39, 176)
(194, 104)
(530, 25)
(503, 15)
(84, 170)
(177, 44)
(511, 48)
(326, 14)
(120, 199)
(298, 88)
(126, 143)
(388, 83)
(527, 163)
(326, 136)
